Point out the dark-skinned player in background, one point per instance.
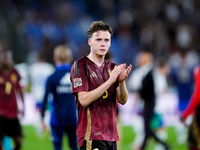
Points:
(9, 88)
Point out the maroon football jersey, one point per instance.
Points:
(98, 120)
(9, 84)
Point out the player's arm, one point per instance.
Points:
(21, 93)
(194, 102)
(86, 98)
(122, 92)
(44, 102)
(45, 99)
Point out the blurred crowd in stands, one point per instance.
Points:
(168, 29)
(162, 27)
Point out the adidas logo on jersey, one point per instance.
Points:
(93, 74)
(65, 79)
(65, 84)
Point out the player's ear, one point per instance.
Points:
(89, 41)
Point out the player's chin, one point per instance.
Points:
(102, 54)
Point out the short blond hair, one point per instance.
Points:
(63, 53)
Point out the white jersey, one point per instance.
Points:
(39, 72)
(161, 85)
(135, 81)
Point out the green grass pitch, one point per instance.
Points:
(33, 142)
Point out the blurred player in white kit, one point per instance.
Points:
(39, 72)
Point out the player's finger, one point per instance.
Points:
(118, 69)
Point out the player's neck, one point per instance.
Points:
(6, 70)
(98, 60)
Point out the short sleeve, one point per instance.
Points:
(78, 78)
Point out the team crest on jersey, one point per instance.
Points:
(77, 82)
(109, 72)
(13, 78)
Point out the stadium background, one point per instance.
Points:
(163, 27)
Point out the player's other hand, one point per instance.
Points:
(115, 73)
(125, 72)
(43, 126)
(21, 113)
(120, 72)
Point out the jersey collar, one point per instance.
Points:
(66, 66)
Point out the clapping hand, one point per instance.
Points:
(125, 72)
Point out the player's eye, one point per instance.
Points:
(107, 40)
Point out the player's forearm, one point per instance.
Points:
(44, 103)
(194, 102)
(86, 98)
(21, 93)
(122, 93)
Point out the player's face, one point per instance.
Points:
(144, 59)
(6, 59)
(100, 42)
(141, 60)
(164, 70)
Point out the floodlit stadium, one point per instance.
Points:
(168, 30)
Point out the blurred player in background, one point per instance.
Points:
(161, 71)
(134, 85)
(182, 76)
(9, 88)
(96, 83)
(7, 141)
(39, 72)
(142, 81)
(63, 108)
(194, 109)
